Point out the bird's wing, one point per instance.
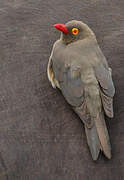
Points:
(71, 85)
(107, 90)
(72, 89)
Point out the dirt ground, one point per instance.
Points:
(40, 136)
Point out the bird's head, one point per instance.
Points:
(73, 31)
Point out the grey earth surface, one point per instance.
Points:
(41, 138)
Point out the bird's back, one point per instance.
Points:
(78, 56)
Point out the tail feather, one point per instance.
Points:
(103, 135)
(93, 141)
(98, 138)
(96, 132)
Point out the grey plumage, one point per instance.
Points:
(79, 69)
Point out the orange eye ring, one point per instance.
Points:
(75, 31)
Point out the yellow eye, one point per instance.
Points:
(75, 31)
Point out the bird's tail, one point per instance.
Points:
(93, 141)
(98, 138)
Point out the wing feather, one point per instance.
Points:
(104, 77)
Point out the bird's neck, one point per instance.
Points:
(86, 35)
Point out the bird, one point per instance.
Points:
(79, 69)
